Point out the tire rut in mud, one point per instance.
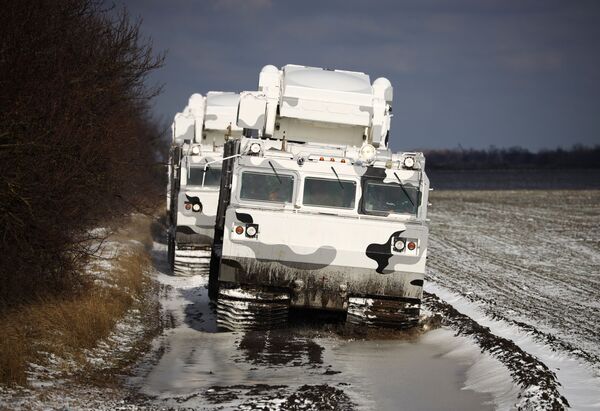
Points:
(538, 382)
(319, 397)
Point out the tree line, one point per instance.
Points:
(578, 156)
(77, 143)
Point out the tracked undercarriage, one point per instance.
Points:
(378, 312)
(189, 259)
(251, 309)
(255, 309)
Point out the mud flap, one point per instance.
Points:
(251, 309)
(375, 312)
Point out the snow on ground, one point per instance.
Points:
(527, 265)
(62, 383)
(524, 264)
(531, 257)
(580, 384)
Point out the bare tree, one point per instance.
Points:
(77, 143)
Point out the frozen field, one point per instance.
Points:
(528, 257)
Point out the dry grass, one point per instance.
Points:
(65, 328)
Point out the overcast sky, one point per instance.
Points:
(469, 72)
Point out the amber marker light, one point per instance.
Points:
(412, 245)
(239, 229)
(188, 206)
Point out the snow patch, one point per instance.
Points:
(580, 384)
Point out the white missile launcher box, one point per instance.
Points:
(191, 119)
(220, 117)
(309, 104)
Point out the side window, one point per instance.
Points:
(212, 179)
(267, 187)
(390, 198)
(329, 193)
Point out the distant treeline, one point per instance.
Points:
(77, 144)
(578, 156)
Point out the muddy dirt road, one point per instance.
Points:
(301, 367)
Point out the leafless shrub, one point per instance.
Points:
(67, 326)
(77, 144)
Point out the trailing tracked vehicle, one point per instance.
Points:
(317, 213)
(199, 133)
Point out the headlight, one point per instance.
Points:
(255, 148)
(367, 153)
(197, 207)
(251, 230)
(399, 245)
(195, 150)
(409, 162)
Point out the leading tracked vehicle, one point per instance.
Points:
(199, 134)
(317, 212)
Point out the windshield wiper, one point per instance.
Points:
(338, 177)
(275, 171)
(404, 190)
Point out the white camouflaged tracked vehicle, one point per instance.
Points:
(318, 213)
(199, 133)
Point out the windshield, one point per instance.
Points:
(267, 187)
(213, 176)
(329, 193)
(390, 198)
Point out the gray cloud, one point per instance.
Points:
(241, 5)
(474, 72)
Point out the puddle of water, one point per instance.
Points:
(407, 375)
(374, 374)
(202, 368)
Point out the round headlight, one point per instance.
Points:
(399, 245)
(409, 162)
(251, 231)
(255, 148)
(367, 153)
(196, 150)
(196, 207)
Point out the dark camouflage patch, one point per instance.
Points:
(244, 218)
(381, 253)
